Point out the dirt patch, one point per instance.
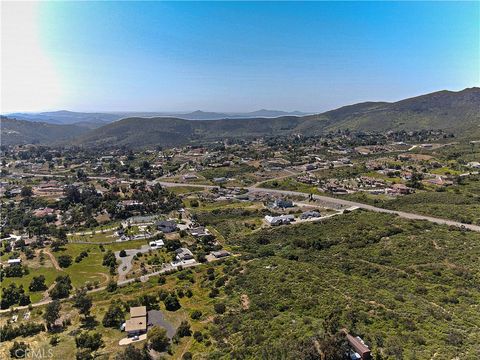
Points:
(53, 259)
(103, 275)
(245, 301)
(435, 245)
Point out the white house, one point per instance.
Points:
(279, 220)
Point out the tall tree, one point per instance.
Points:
(52, 313)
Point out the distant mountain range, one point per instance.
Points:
(95, 120)
(456, 112)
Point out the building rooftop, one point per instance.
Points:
(136, 324)
(138, 311)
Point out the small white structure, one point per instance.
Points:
(14, 261)
(279, 220)
(157, 244)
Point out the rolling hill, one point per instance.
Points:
(455, 112)
(64, 117)
(16, 132)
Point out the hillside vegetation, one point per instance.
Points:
(407, 288)
(15, 132)
(454, 112)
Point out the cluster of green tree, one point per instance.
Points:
(170, 300)
(87, 344)
(14, 270)
(81, 256)
(38, 284)
(10, 332)
(64, 260)
(110, 261)
(12, 295)
(62, 287)
(20, 218)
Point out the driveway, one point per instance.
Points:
(126, 262)
(156, 317)
(130, 340)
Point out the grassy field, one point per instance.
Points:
(89, 270)
(197, 281)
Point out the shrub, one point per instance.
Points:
(219, 308)
(183, 330)
(171, 302)
(64, 261)
(196, 314)
(158, 339)
(19, 350)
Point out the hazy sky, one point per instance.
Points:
(227, 56)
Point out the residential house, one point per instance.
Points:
(199, 231)
(401, 189)
(137, 324)
(156, 244)
(183, 254)
(310, 214)
(282, 203)
(220, 254)
(167, 226)
(358, 348)
(279, 220)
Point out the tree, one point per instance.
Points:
(158, 338)
(184, 329)
(24, 300)
(114, 316)
(196, 314)
(19, 350)
(198, 336)
(112, 286)
(52, 313)
(219, 308)
(90, 341)
(171, 302)
(10, 295)
(26, 191)
(110, 260)
(64, 261)
(132, 353)
(57, 245)
(62, 287)
(82, 302)
(84, 354)
(122, 253)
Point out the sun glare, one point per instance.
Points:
(29, 81)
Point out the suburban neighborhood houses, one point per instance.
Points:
(165, 232)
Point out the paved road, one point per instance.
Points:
(347, 203)
(326, 199)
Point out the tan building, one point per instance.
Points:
(137, 324)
